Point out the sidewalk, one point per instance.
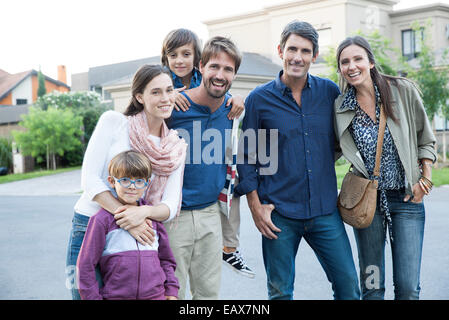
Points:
(61, 184)
(35, 229)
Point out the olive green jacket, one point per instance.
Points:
(412, 133)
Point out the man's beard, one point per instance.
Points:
(208, 84)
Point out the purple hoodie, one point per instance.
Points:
(129, 270)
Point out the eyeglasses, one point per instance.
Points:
(127, 182)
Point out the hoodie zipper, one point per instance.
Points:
(138, 270)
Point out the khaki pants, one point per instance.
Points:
(231, 226)
(196, 241)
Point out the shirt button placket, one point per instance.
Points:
(307, 156)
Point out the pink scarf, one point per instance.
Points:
(165, 158)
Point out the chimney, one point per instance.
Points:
(62, 75)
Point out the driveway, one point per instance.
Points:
(67, 183)
(36, 219)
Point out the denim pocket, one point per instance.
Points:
(78, 233)
(411, 202)
(412, 209)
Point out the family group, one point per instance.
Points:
(153, 219)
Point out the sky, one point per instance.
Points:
(87, 33)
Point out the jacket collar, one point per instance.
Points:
(349, 100)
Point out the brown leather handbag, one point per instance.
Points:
(358, 195)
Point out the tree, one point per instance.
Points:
(432, 77)
(330, 59)
(87, 105)
(5, 153)
(49, 132)
(41, 91)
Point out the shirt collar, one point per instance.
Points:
(279, 85)
(194, 81)
(350, 100)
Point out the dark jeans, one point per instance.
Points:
(408, 232)
(327, 236)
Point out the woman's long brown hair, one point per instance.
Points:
(143, 76)
(379, 79)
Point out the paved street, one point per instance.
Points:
(36, 219)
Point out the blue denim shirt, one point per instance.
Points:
(195, 81)
(305, 184)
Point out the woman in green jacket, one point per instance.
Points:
(406, 165)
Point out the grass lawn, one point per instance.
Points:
(341, 171)
(439, 176)
(34, 174)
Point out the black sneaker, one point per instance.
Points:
(236, 262)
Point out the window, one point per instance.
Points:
(411, 45)
(98, 90)
(21, 101)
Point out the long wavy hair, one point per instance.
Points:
(143, 76)
(380, 80)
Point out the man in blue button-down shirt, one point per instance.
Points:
(299, 199)
(196, 240)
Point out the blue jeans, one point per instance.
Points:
(79, 226)
(327, 236)
(408, 233)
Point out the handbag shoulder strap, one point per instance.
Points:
(380, 140)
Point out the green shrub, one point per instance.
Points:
(6, 153)
(88, 106)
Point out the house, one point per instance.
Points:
(334, 21)
(21, 88)
(257, 35)
(10, 116)
(17, 93)
(114, 81)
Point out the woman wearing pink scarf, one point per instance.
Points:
(142, 128)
